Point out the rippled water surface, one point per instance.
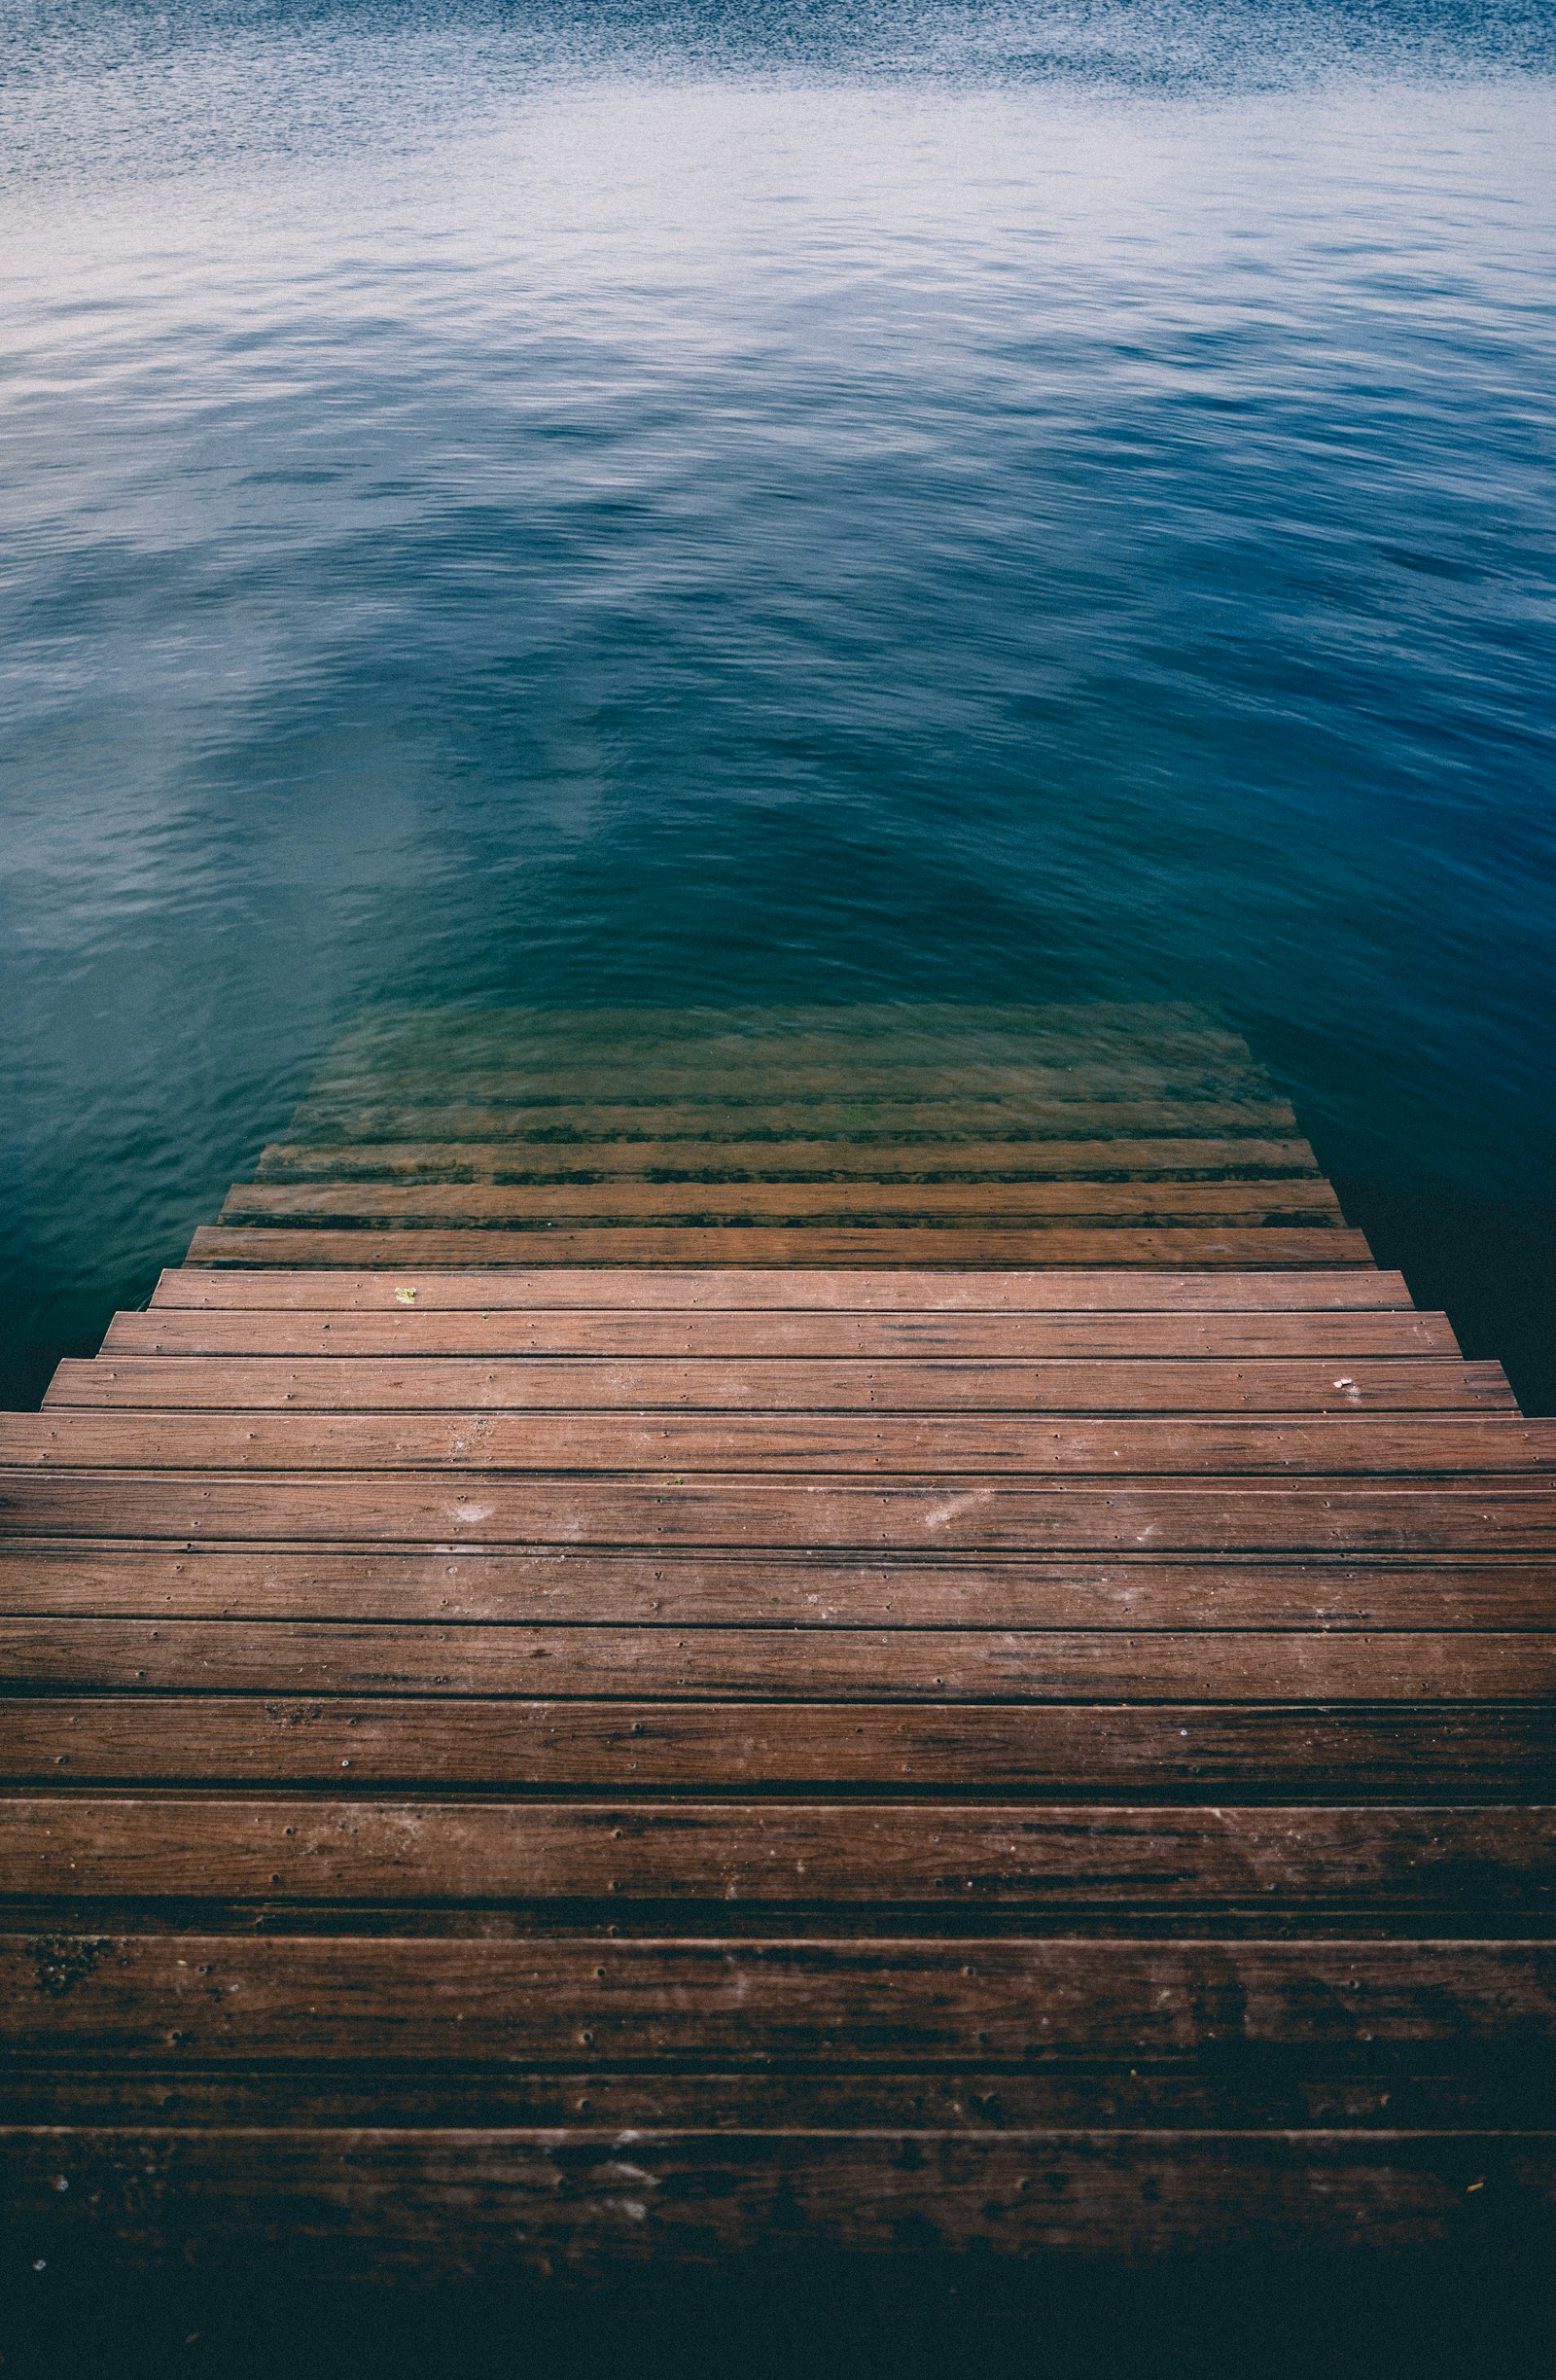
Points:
(720, 504)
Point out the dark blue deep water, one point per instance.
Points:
(643, 502)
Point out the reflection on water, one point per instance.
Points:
(750, 506)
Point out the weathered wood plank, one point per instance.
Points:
(803, 1247)
(981, 1444)
(1201, 1751)
(897, 2003)
(1155, 1387)
(388, 1038)
(380, 1114)
(1213, 1066)
(771, 1161)
(363, 2201)
(1079, 1855)
(422, 1332)
(603, 1589)
(1467, 1516)
(987, 1205)
(1269, 2091)
(315, 1656)
(729, 1289)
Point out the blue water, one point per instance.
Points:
(799, 503)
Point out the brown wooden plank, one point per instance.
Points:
(319, 1656)
(1272, 2091)
(362, 2201)
(955, 1291)
(1136, 1750)
(1068, 1855)
(900, 2002)
(595, 1590)
(367, 1384)
(422, 1334)
(979, 1444)
(380, 1114)
(1188, 1247)
(1021, 1205)
(420, 1160)
(1465, 1516)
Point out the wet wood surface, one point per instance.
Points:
(902, 1612)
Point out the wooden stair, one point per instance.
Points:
(700, 1635)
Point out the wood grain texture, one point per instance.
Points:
(420, 1331)
(995, 1249)
(1142, 1751)
(734, 1289)
(895, 2002)
(1267, 2090)
(1324, 1515)
(786, 1591)
(315, 1656)
(363, 2200)
(1155, 1387)
(944, 1444)
(1071, 1856)
(690, 1634)
(1249, 1157)
(1027, 1205)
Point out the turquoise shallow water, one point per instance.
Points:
(718, 504)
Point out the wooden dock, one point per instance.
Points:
(691, 1636)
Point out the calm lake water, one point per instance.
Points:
(795, 503)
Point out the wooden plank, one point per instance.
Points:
(1140, 1751)
(379, 1114)
(896, 2003)
(1001, 1248)
(979, 1444)
(844, 1045)
(467, 2201)
(729, 1289)
(1467, 1516)
(318, 1656)
(387, 1025)
(367, 1384)
(1273, 2091)
(596, 1589)
(1019, 1205)
(945, 1031)
(422, 1160)
(1217, 1068)
(422, 1334)
(1071, 1856)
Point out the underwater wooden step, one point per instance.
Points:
(733, 1160)
(1014, 1116)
